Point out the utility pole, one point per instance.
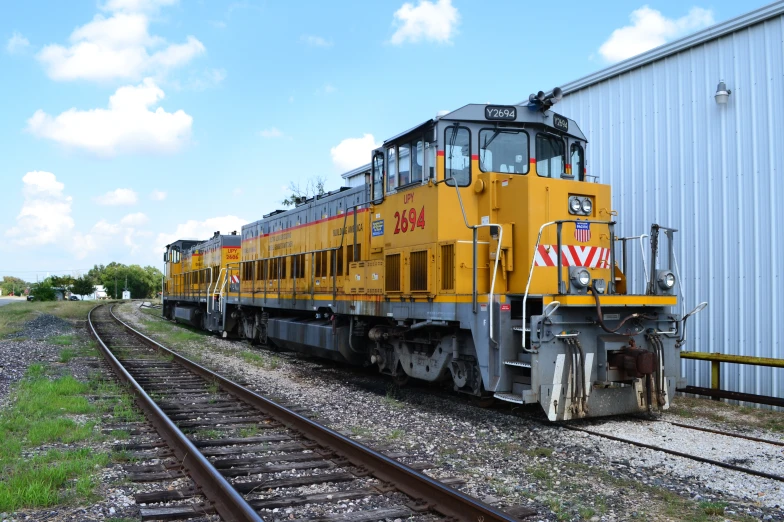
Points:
(115, 287)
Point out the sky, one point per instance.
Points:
(127, 124)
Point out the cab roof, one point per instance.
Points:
(525, 114)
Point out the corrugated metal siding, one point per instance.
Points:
(677, 158)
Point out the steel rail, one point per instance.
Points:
(428, 492)
(726, 433)
(228, 503)
(704, 460)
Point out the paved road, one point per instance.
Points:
(4, 301)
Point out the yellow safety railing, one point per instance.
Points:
(717, 358)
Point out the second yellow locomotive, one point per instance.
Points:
(475, 250)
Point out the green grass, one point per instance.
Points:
(66, 355)
(61, 340)
(171, 334)
(359, 431)
(539, 452)
(14, 315)
(713, 508)
(395, 434)
(268, 362)
(248, 431)
(42, 412)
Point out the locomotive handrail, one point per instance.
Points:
(623, 241)
(475, 228)
(559, 223)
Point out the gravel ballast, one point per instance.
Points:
(512, 458)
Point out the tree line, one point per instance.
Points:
(115, 277)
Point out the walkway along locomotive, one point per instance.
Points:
(477, 252)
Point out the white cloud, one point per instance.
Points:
(17, 44)
(135, 220)
(193, 229)
(46, 211)
(128, 125)
(649, 29)
(157, 195)
(272, 132)
(435, 22)
(315, 41)
(45, 221)
(117, 47)
(120, 196)
(353, 152)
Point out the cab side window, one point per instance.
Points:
(417, 160)
(378, 176)
(457, 156)
(430, 155)
(578, 162)
(550, 160)
(404, 164)
(391, 169)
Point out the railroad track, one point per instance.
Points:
(690, 456)
(282, 457)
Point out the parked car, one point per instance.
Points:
(74, 298)
(31, 297)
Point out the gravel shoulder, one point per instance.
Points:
(506, 455)
(63, 349)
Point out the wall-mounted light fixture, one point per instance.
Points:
(722, 93)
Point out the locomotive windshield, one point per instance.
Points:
(550, 161)
(503, 151)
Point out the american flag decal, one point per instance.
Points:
(582, 231)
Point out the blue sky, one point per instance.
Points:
(128, 123)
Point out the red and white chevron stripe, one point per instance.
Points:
(235, 279)
(573, 255)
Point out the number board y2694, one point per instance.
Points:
(501, 112)
(560, 123)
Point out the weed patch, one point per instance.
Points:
(40, 413)
(61, 340)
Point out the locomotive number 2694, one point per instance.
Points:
(408, 220)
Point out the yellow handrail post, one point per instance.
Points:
(716, 377)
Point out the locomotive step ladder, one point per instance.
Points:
(520, 370)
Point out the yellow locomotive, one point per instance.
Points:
(476, 252)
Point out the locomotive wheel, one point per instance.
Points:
(400, 379)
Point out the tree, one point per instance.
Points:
(44, 291)
(142, 282)
(13, 284)
(65, 282)
(83, 286)
(314, 187)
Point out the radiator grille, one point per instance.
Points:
(447, 267)
(392, 273)
(419, 271)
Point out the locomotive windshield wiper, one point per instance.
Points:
(487, 143)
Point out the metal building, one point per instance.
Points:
(677, 156)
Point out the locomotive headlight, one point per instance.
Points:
(580, 278)
(574, 205)
(666, 280)
(586, 206)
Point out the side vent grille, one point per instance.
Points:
(447, 267)
(419, 271)
(392, 273)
